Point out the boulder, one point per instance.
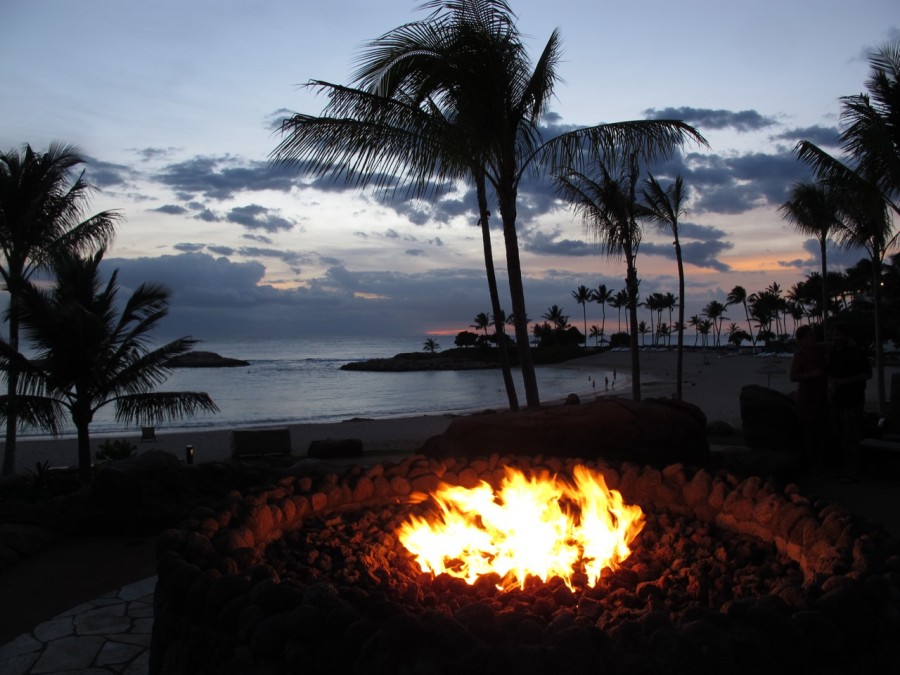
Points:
(769, 419)
(655, 431)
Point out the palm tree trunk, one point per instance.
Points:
(824, 283)
(517, 299)
(879, 347)
(12, 377)
(632, 284)
(505, 368)
(85, 474)
(679, 349)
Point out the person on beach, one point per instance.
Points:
(809, 369)
(848, 372)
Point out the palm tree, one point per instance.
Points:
(715, 312)
(738, 296)
(867, 187)
(481, 322)
(602, 296)
(88, 355)
(694, 321)
(42, 209)
(608, 208)
(596, 333)
(431, 346)
(664, 207)
(455, 93)
(813, 211)
(582, 296)
(620, 300)
(554, 315)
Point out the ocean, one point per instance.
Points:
(299, 380)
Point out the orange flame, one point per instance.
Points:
(542, 527)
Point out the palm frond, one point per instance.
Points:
(156, 407)
(37, 412)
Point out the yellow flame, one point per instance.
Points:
(537, 526)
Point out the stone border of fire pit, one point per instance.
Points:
(214, 565)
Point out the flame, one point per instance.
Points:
(538, 526)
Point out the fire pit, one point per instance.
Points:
(724, 575)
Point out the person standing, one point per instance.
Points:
(809, 369)
(848, 372)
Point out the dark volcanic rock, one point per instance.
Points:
(769, 419)
(452, 359)
(656, 431)
(205, 360)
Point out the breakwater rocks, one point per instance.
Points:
(205, 360)
(454, 359)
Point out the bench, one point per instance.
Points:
(257, 443)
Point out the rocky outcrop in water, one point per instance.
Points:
(205, 360)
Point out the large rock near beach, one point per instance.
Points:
(655, 431)
(769, 419)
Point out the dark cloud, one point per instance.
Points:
(189, 248)
(256, 217)
(838, 258)
(221, 250)
(221, 178)
(703, 232)
(825, 137)
(547, 243)
(742, 121)
(415, 252)
(171, 209)
(697, 253)
(107, 174)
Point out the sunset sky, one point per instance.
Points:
(175, 104)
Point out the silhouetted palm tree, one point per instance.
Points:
(607, 206)
(868, 186)
(602, 296)
(813, 210)
(554, 315)
(42, 212)
(715, 312)
(664, 208)
(431, 346)
(582, 296)
(481, 322)
(466, 64)
(738, 296)
(88, 355)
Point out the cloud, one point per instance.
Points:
(742, 122)
(547, 243)
(221, 178)
(256, 217)
(697, 253)
(171, 209)
(825, 137)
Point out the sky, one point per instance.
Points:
(175, 107)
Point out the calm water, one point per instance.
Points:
(299, 380)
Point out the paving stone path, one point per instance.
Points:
(110, 634)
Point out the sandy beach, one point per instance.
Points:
(712, 381)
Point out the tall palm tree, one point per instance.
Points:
(582, 296)
(602, 296)
(738, 296)
(596, 333)
(89, 355)
(813, 211)
(466, 66)
(664, 208)
(694, 321)
(607, 206)
(42, 212)
(867, 186)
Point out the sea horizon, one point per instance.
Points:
(299, 380)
